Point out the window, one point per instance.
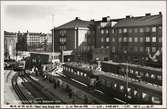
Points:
(103, 24)
(120, 39)
(136, 39)
(147, 39)
(141, 49)
(107, 39)
(159, 77)
(147, 74)
(77, 72)
(141, 39)
(102, 39)
(152, 76)
(153, 49)
(107, 46)
(147, 29)
(112, 31)
(130, 39)
(120, 30)
(141, 30)
(136, 30)
(147, 49)
(113, 39)
(160, 39)
(131, 71)
(102, 31)
(160, 28)
(106, 31)
(130, 30)
(153, 29)
(85, 74)
(125, 30)
(135, 49)
(113, 49)
(125, 39)
(102, 46)
(154, 39)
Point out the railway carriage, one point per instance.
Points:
(83, 75)
(133, 93)
(136, 72)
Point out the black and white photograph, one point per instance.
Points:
(83, 54)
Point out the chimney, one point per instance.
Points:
(92, 20)
(160, 13)
(108, 18)
(147, 14)
(128, 17)
(76, 18)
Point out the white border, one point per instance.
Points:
(3, 3)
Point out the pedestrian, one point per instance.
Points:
(85, 99)
(55, 85)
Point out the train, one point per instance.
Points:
(129, 91)
(137, 72)
(80, 73)
(136, 93)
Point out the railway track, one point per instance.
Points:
(107, 99)
(18, 91)
(38, 91)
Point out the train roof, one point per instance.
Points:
(134, 65)
(83, 67)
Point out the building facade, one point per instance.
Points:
(137, 40)
(21, 41)
(99, 39)
(71, 36)
(10, 40)
(36, 41)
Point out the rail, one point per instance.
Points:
(18, 91)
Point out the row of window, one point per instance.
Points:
(102, 46)
(62, 47)
(79, 73)
(107, 39)
(62, 40)
(131, 30)
(131, 92)
(148, 75)
(62, 32)
(136, 30)
(137, 39)
(136, 49)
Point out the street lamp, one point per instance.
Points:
(126, 71)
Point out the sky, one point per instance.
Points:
(38, 16)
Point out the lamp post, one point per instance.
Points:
(126, 71)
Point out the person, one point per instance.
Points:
(85, 99)
(36, 71)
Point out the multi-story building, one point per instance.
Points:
(36, 41)
(99, 38)
(21, 42)
(71, 37)
(49, 46)
(137, 40)
(10, 40)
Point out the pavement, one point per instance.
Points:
(10, 97)
(58, 92)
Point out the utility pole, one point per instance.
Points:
(53, 35)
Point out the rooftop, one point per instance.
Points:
(74, 24)
(134, 65)
(146, 20)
